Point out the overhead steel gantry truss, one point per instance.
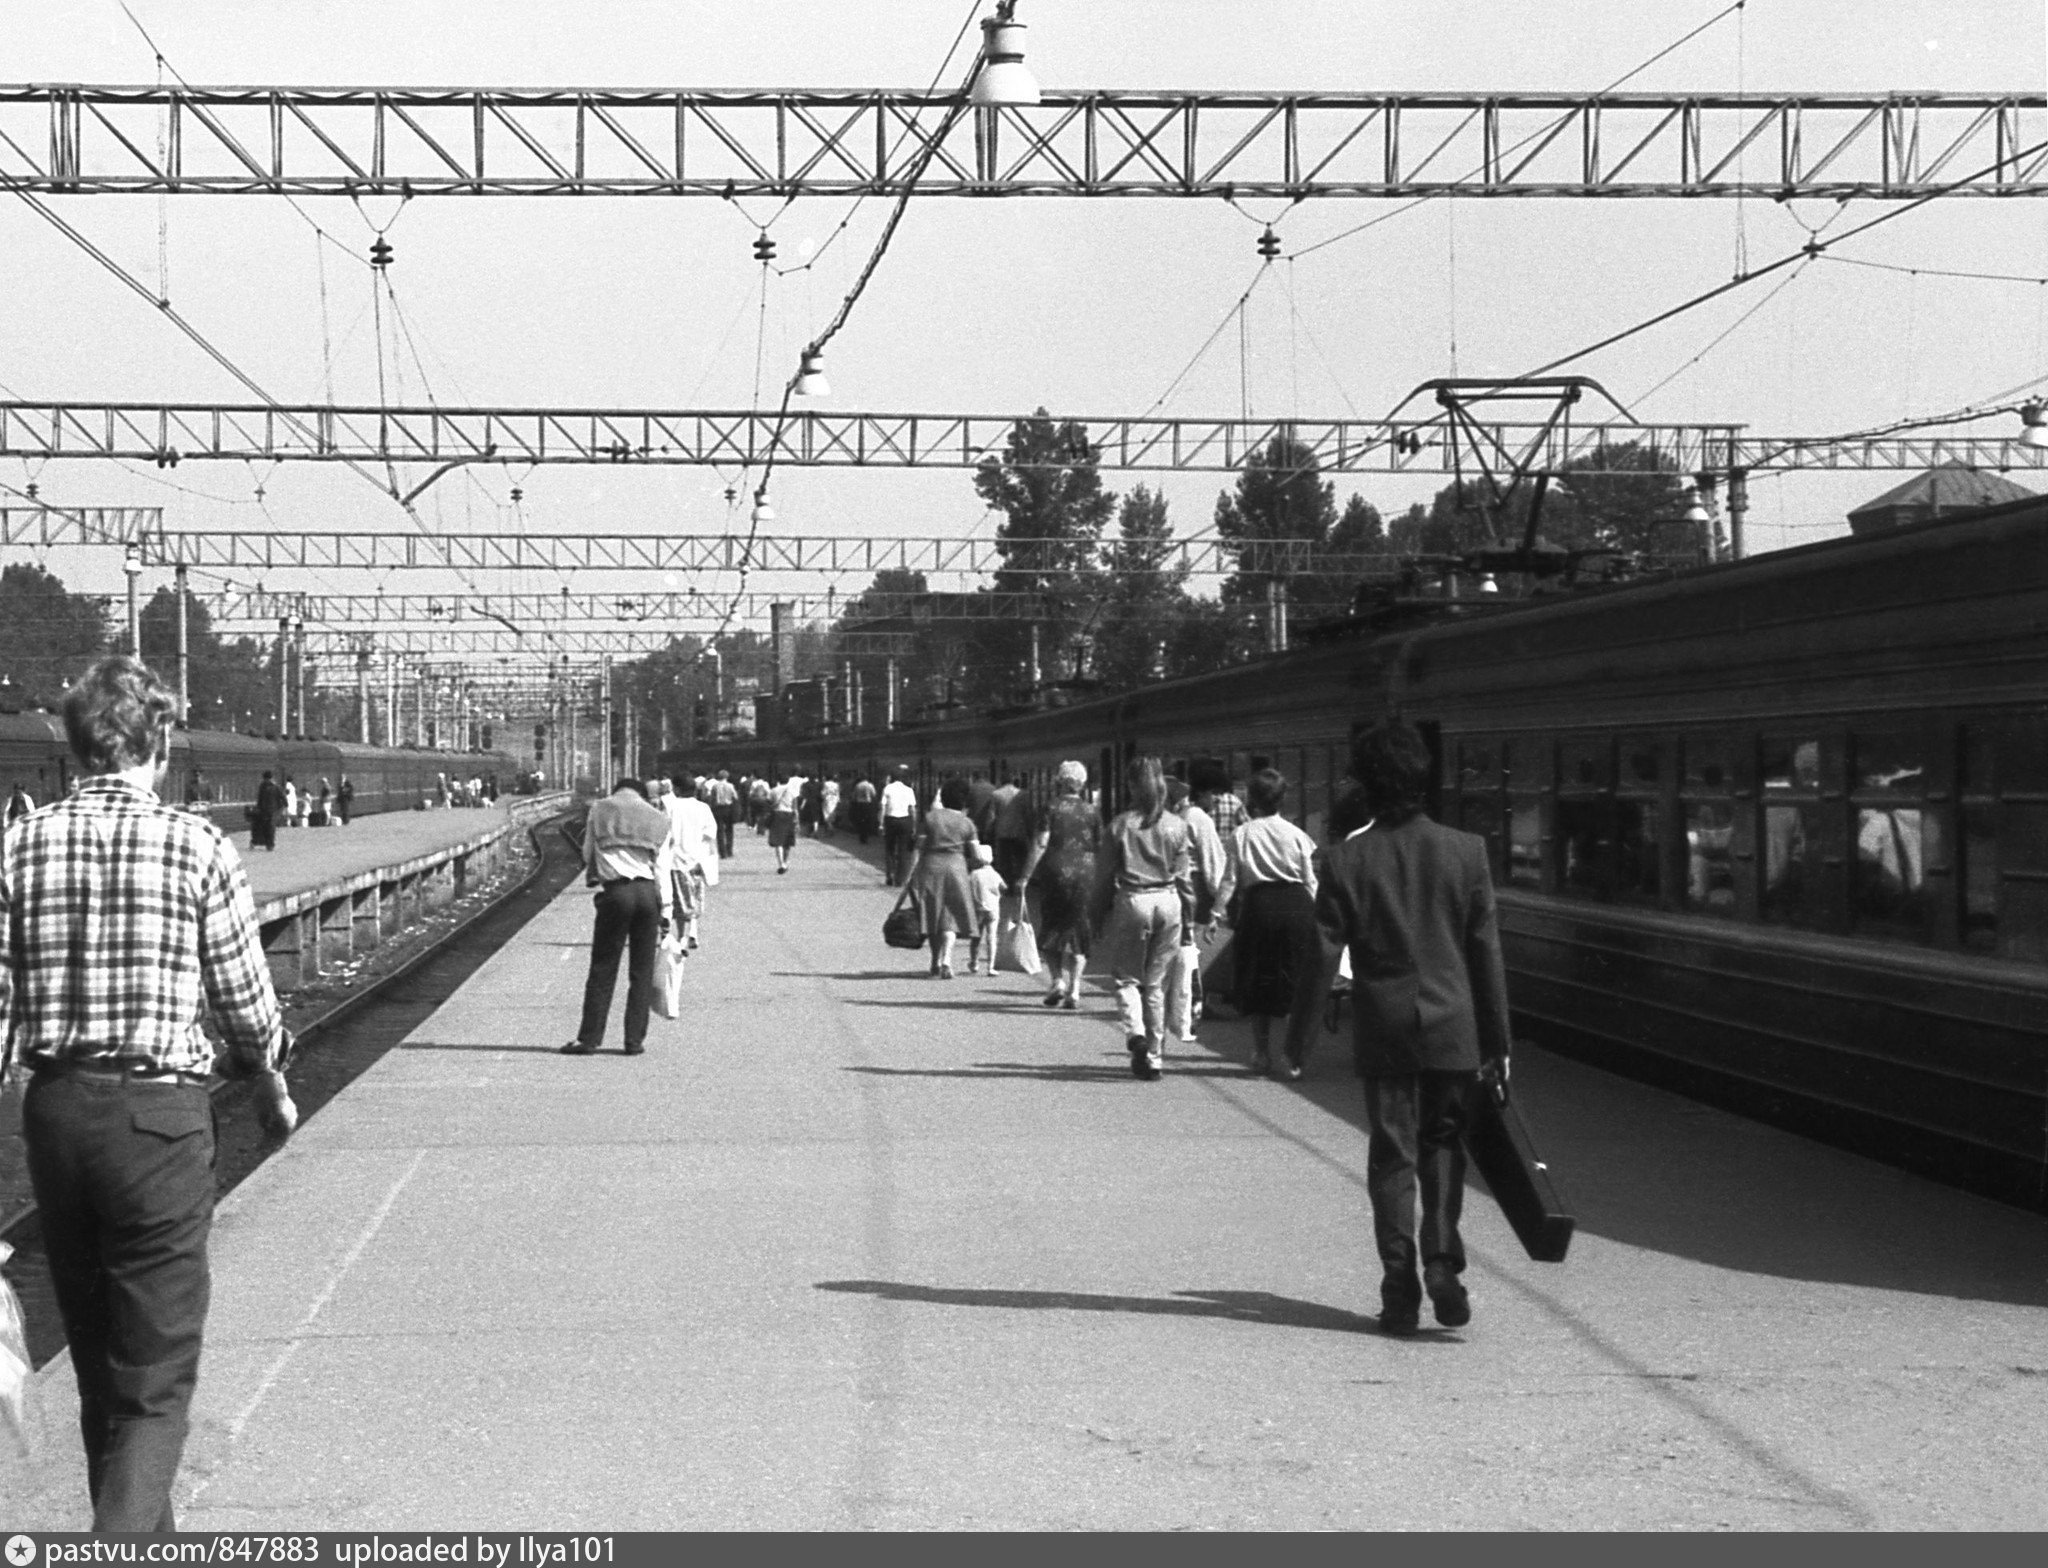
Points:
(169, 433)
(689, 554)
(690, 608)
(479, 141)
(537, 648)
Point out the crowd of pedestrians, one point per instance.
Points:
(1394, 911)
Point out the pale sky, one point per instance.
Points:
(999, 306)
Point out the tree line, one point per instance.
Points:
(49, 634)
(1092, 595)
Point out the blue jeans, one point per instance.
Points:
(123, 1173)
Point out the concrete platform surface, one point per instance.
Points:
(315, 857)
(855, 1248)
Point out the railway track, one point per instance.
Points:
(335, 1048)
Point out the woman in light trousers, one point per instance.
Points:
(1145, 889)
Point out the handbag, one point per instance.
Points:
(905, 925)
(669, 959)
(1016, 942)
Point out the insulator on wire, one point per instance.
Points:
(1269, 244)
(764, 248)
(518, 495)
(380, 253)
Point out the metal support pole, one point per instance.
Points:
(284, 676)
(890, 709)
(133, 567)
(178, 578)
(390, 700)
(299, 637)
(846, 692)
(604, 725)
(1035, 667)
(859, 712)
(1738, 509)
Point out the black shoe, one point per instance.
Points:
(578, 1048)
(1399, 1324)
(636, 1050)
(1262, 1064)
(1453, 1306)
(1135, 1044)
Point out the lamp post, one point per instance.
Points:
(131, 563)
(183, 589)
(284, 676)
(299, 643)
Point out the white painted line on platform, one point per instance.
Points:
(300, 1334)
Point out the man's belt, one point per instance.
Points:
(86, 1072)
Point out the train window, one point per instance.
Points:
(1525, 843)
(1480, 764)
(1532, 764)
(1585, 765)
(1709, 765)
(1481, 814)
(1707, 810)
(1979, 831)
(1581, 845)
(1894, 839)
(1794, 890)
(1638, 850)
(1709, 866)
(1889, 764)
(1642, 764)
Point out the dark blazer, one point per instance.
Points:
(1414, 904)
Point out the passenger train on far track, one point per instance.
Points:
(1771, 832)
(217, 772)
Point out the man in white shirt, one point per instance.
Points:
(899, 827)
(691, 868)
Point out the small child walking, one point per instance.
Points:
(988, 905)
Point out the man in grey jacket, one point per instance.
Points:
(1413, 902)
(622, 840)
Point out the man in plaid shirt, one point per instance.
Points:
(122, 922)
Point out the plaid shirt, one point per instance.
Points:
(1228, 813)
(121, 920)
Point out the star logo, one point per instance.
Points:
(21, 1551)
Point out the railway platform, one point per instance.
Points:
(307, 859)
(854, 1248)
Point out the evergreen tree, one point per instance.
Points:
(1280, 494)
(1147, 594)
(1048, 485)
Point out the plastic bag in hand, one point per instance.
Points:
(14, 1367)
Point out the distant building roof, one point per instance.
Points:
(1941, 491)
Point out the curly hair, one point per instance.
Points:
(1392, 764)
(954, 794)
(1072, 777)
(118, 715)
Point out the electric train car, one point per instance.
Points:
(1773, 832)
(217, 772)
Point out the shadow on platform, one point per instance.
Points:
(1648, 1168)
(1241, 1306)
(1119, 1073)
